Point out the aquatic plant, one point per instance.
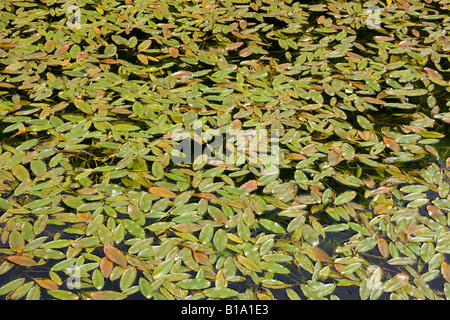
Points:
(229, 149)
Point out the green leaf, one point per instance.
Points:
(110, 50)
(145, 288)
(108, 295)
(63, 294)
(193, 284)
(128, 278)
(344, 198)
(274, 267)
(271, 226)
(56, 244)
(397, 282)
(16, 241)
(12, 285)
(310, 235)
(97, 279)
(220, 240)
(157, 170)
(220, 293)
(163, 269)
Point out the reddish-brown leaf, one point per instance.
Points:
(383, 38)
(391, 144)
(109, 61)
(167, 25)
(233, 46)
(181, 74)
(205, 195)
(354, 55)
(61, 50)
(187, 227)
(320, 254)
(383, 247)
(433, 73)
(245, 52)
(174, 53)
(373, 100)
(22, 261)
(46, 283)
(445, 270)
(106, 267)
(115, 255)
(80, 57)
(201, 257)
(162, 192)
(249, 186)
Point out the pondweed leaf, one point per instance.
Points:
(22, 260)
(194, 284)
(397, 282)
(344, 198)
(107, 295)
(63, 295)
(115, 255)
(271, 226)
(163, 269)
(220, 293)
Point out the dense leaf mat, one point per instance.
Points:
(96, 203)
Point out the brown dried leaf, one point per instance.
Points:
(354, 55)
(334, 157)
(81, 56)
(109, 61)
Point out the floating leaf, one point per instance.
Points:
(193, 284)
(63, 295)
(16, 241)
(272, 226)
(22, 260)
(397, 282)
(46, 283)
(220, 293)
(163, 269)
(248, 263)
(115, 255)
(320, 254)
(162, 192)
(344, 198)
(107, 295)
